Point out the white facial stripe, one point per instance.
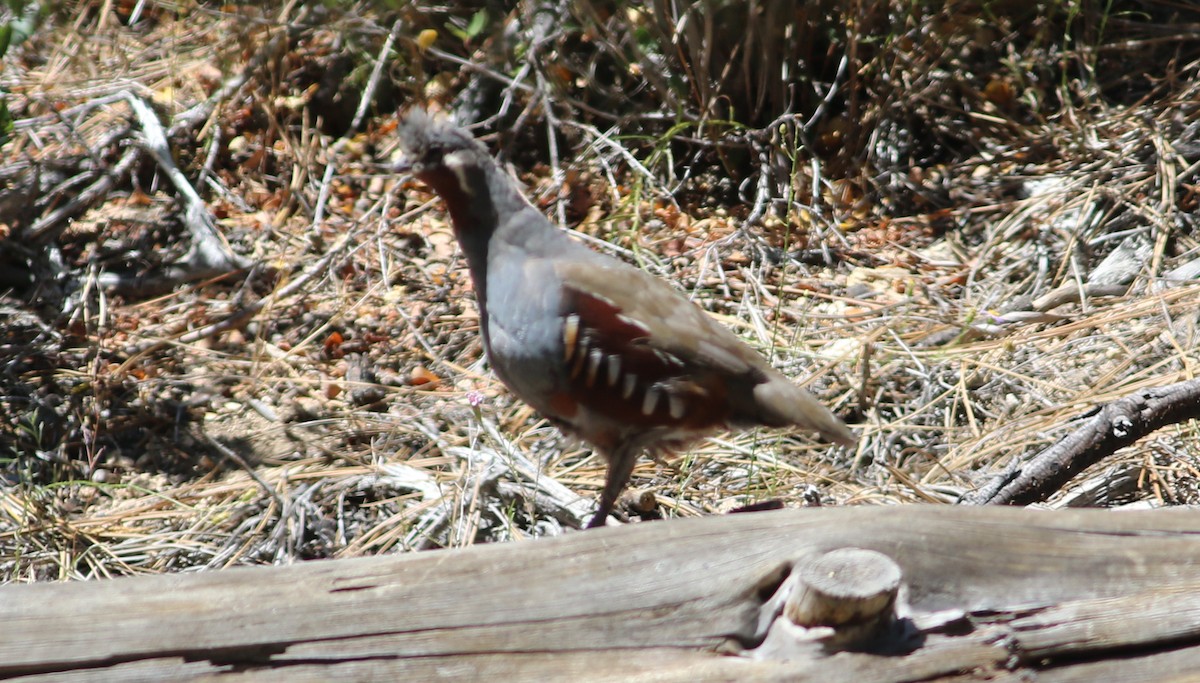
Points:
(456, 163)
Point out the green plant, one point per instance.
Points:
(18, 21)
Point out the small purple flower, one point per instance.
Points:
(475, 398)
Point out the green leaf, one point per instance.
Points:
(475, 27)
(478, 23)
(7, 127)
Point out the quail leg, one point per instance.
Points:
(620, 467)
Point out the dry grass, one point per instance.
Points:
(353, 414)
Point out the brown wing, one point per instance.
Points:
(671, 324)
(643, 355)
(675, 365)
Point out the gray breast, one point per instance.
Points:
(524, 324)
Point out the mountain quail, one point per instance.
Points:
(602, 349)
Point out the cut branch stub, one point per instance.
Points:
(851, 590)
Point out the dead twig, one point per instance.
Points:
(47, 228)
(239, 318)
(241, 462)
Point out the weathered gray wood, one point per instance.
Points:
(1144, 619)
(1173, 666)
(1022, 590)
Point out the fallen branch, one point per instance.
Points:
(1110, 427)
(209, 254)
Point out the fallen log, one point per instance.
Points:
(983, 593)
